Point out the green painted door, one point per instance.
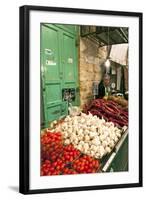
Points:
(70, 63)
(68, 59)
(50, 70)
(58, 69)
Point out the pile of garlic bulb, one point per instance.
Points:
(91, 135)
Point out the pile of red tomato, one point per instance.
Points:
(70, 153)
(58, 159)
(86, 164)
(51, 146)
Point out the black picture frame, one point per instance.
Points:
(24, 98)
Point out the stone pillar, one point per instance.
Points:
(91, 56)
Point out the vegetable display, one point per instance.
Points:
(68, 160)
(89, 134)
(75, 144)
(109, 110)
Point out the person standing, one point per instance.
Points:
(104, 87)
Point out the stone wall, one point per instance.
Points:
(91, 57)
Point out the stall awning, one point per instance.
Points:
(105, 35)
(119, 53)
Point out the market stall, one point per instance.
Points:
(83, 132)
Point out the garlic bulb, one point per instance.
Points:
(76, 141)
(97, 155)
(79, 147)
(92, 134)
(102, 137)
(111, 144)
(96, 141)
(67, 141)
(104, 143)
(118, 134)
(81, 143)
(116, 139)
(92, 153)
(87, 138)
(108, 140)
(101, 151)
(108, 149)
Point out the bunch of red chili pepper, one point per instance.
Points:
(109, 110)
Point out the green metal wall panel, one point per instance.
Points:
(120, 162)
(59, 68)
